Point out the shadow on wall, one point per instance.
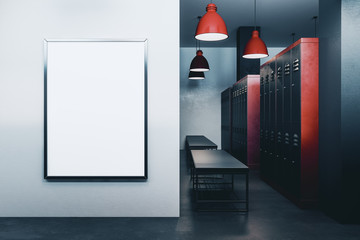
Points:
(200, 100)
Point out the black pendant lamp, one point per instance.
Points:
(255, 47)
(196, 75)
(199, 62)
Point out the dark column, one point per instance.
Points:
(245, 66)
(339, 114)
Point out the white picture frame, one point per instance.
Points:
(95, 109)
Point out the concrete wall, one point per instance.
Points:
(23, 26)
(273, 51)
(200, 100)
(350, 105)
(339, 108)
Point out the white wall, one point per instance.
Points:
(23, 26)
(200, 100)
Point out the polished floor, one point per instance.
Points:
(271, 217)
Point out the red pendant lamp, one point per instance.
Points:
(255, 47)
(211, 27)
(196, 75)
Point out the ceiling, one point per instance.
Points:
(277, 19)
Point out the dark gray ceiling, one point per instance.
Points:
(277, 19)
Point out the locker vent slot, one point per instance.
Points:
(296, 140)
(287, 69)
(287, 138)
(279, 72)
(279, 137)
(272, 75)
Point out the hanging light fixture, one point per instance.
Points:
(211, 27)
(199, 62)
(255, 47)
(196, 75)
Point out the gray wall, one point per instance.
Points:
(350, 104)
(23, 26)
(330, 164)
(200, 100)
(272, 53)
(339, 108)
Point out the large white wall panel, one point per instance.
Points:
(23, 26)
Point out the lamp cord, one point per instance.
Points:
(198, 41)
(315, 19)
(255, 14)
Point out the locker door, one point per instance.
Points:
(236, 141)
(262, 119)
(295, 122)
(237, 119)
(241, 154)
(245, 99)
(267, 122)
(241, 121)
(279, 117)
(226, 119)
(234, 123)
(286, 164)
(272, 112)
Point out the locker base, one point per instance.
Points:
(254, 166)
(300, 202)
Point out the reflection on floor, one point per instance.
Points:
(271, 216)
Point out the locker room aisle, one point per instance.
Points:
(271, 216)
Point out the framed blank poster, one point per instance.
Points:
(96, 109)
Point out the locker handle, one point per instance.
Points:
(292, 84)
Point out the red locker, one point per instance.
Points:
(246, 115)
(296, 109)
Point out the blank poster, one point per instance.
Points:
(95, 108)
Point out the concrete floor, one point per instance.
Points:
(271, 217)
